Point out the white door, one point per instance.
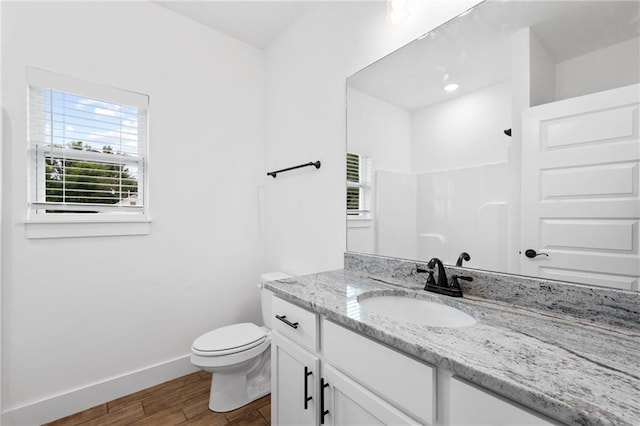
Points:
(294, 383)
(347, 403)
(580, 179)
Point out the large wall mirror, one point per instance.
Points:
(512, 127)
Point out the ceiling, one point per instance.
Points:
(254, 22)
(474, 49)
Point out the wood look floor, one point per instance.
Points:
(183, 401)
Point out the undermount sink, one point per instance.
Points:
(416, 311)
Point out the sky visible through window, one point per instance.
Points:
(97, 124)
(93, 146)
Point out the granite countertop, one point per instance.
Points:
(573, 371)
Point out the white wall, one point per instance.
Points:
(306, 68)
(464, 131)
(460, 157)
(542, 85)
(379, 130)
(464, 210)
(608, 68)
(382, 132)
(78, 312)
(395, 215)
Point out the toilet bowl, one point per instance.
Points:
(239, 357)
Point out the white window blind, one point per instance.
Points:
(87, 147)
(358, 185)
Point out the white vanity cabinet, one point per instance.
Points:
(295, 365)
(326, 374)
(307, 390)
(294, 383)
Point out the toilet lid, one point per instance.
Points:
(230, 339)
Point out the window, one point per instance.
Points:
(87, 146)
(358, 186)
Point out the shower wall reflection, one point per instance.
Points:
(433, 190)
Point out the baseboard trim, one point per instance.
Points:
(80, 399)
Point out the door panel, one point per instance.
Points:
(580, 189)
(608, 234)
(585, 127)
(594, 181)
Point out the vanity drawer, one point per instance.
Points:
(401, 380)
(296, 323)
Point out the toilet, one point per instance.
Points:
(239, 357)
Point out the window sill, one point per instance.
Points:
(74, 227)
(358, 222)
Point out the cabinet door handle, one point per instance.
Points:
(323, 412)
(307, 398)
(284, 319)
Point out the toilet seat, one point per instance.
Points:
(229, 340)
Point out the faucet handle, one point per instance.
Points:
(460, 277)
(455, 278)
(422, 271)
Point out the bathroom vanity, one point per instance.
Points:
(532, 167)
(333, 362)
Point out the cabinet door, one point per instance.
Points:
(473, 406)
(294, 383)
(347, 403)
(404, 382)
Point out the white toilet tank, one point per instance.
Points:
(266, 295)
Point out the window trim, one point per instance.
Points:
(74, 226)
(125, 221)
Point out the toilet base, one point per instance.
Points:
(232, 390)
